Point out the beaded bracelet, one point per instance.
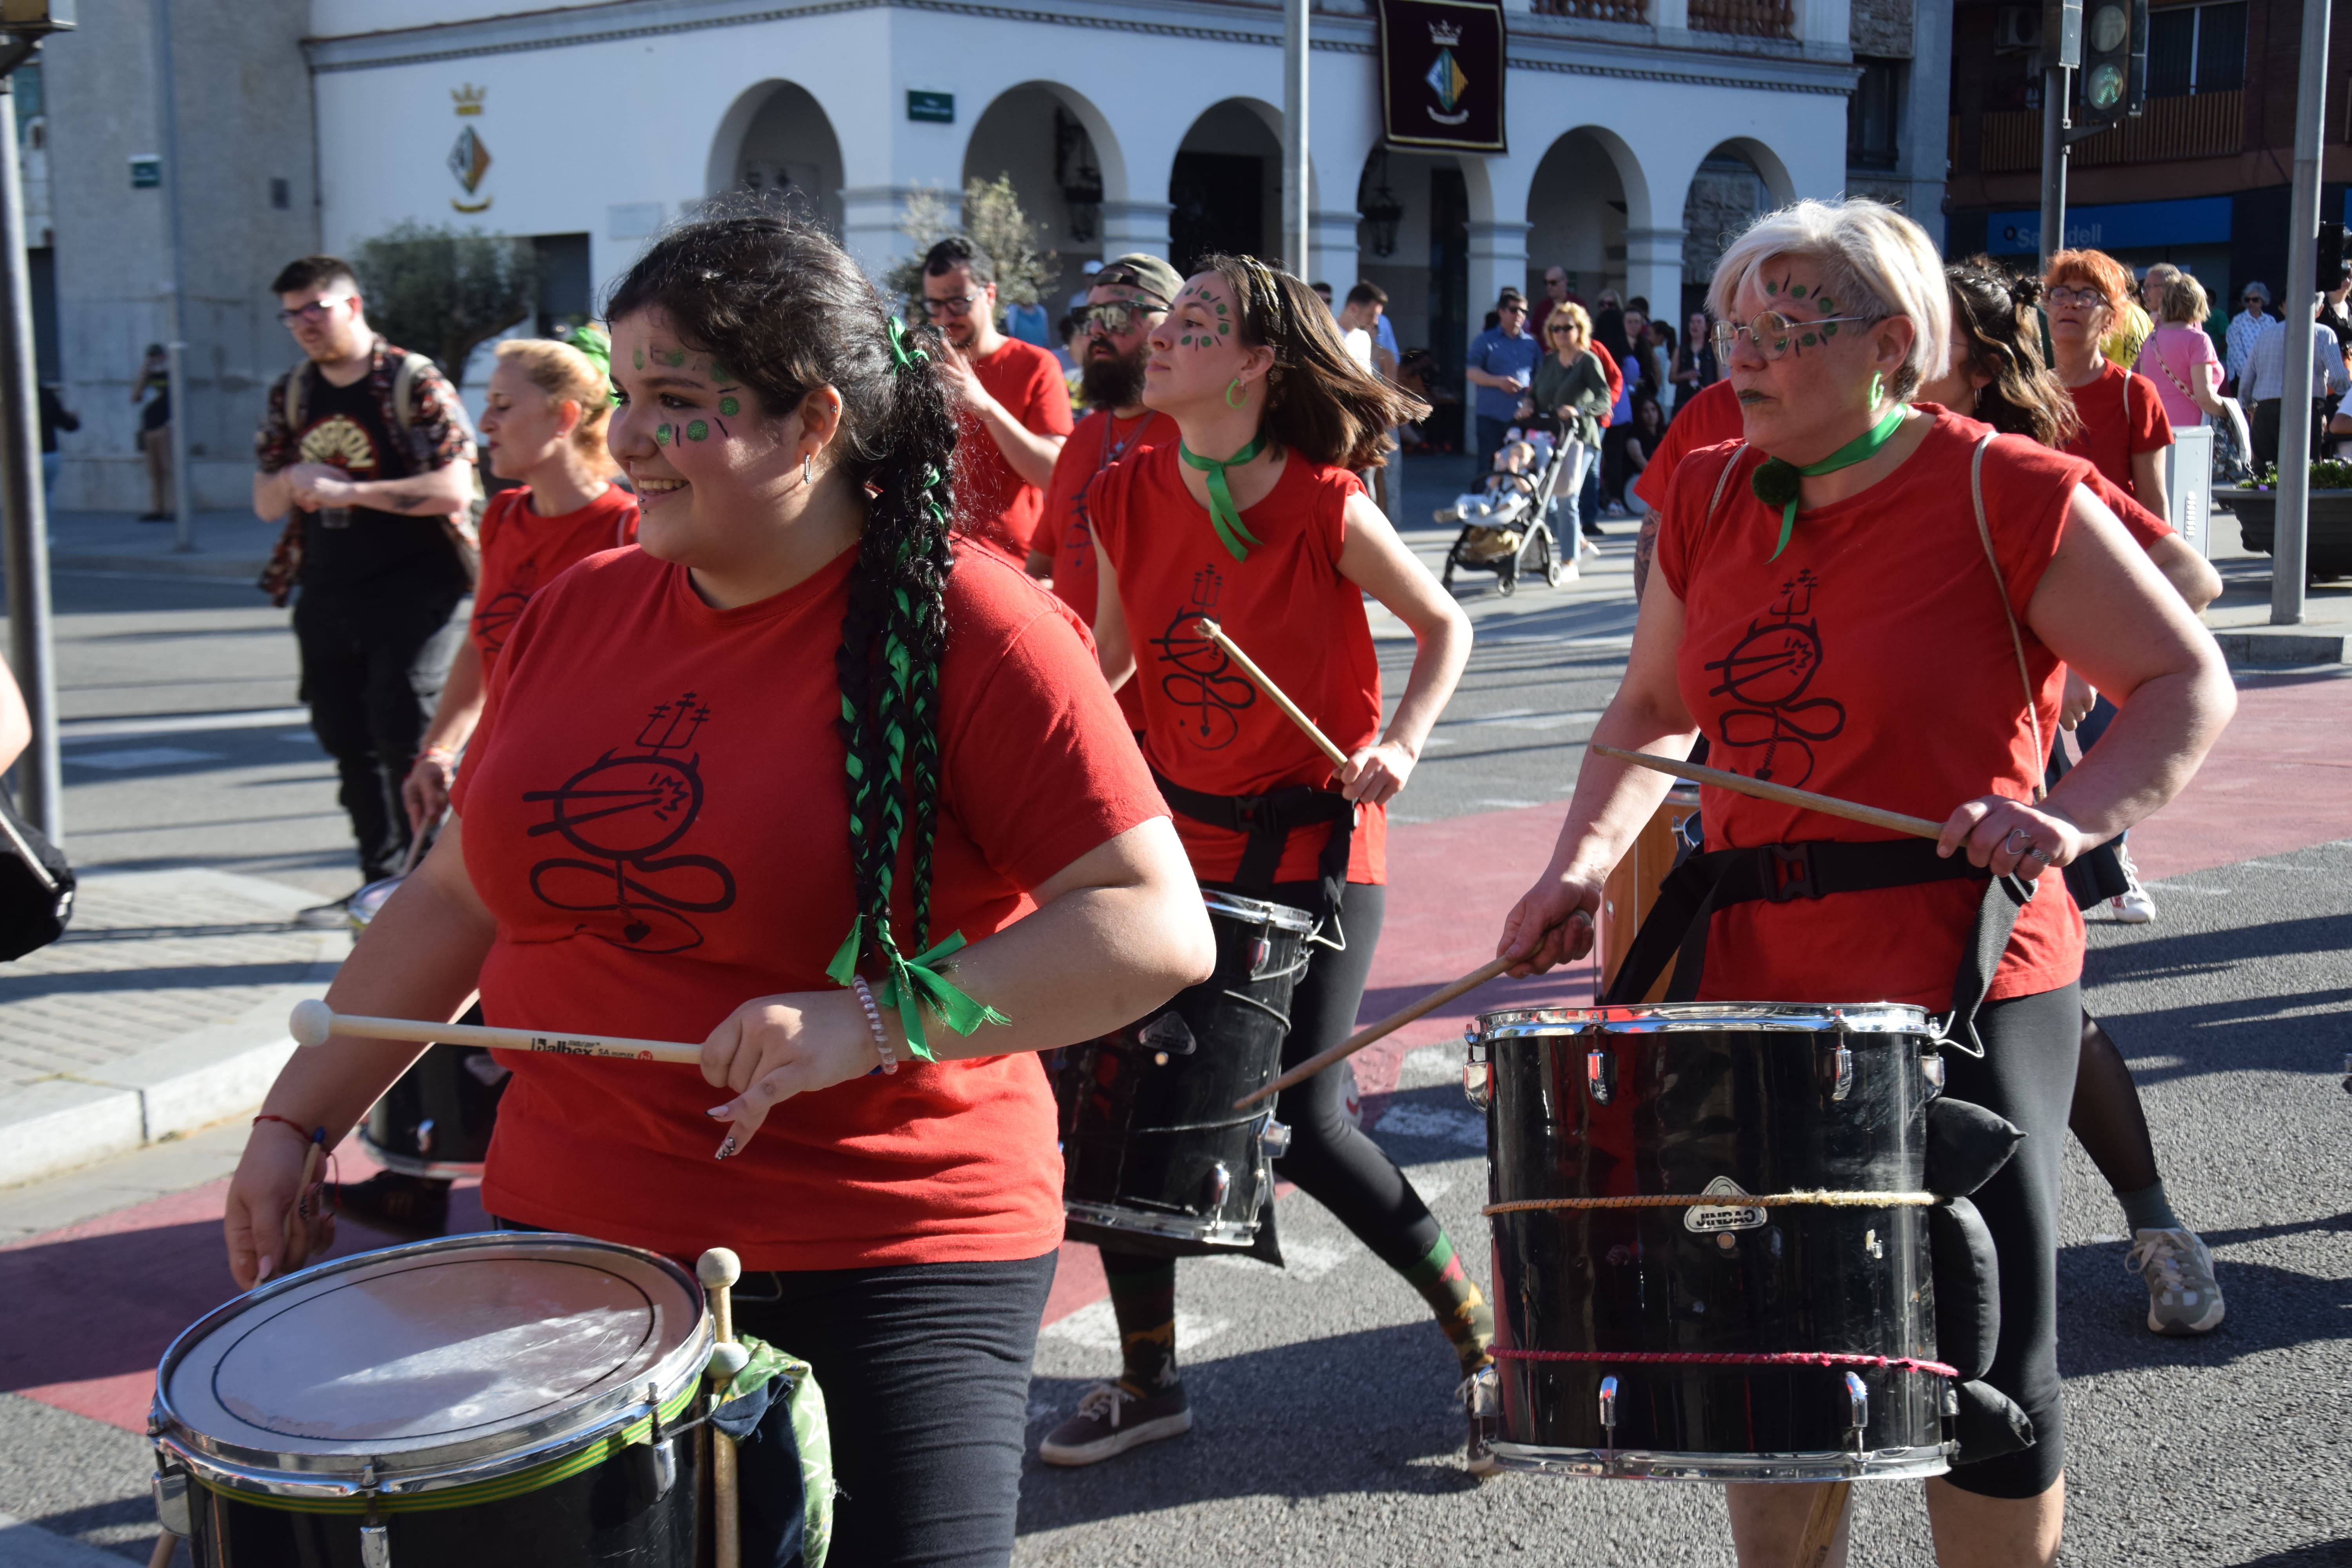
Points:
(873, 1022)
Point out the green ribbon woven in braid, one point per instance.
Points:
(912, 984)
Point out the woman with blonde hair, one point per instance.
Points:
(1570, 386)
(1845, 498)
(2178, 359)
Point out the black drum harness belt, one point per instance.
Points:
(1269, 819)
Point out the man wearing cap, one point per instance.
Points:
(1130, 296)
(1013, 407)
(1502, 364)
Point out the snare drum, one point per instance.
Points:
(1632, 888)
(1152, 1149)
(1672, 1342)
(485, 1400)
(436, 1120)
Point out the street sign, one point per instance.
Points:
(146, 170)
(933, 108)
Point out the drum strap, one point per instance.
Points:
(1692, 893)
(1270, 819)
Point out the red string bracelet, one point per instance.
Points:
(301, 1131)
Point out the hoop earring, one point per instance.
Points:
(1877, 388)
(1232, 401)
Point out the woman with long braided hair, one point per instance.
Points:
(1254, 516)
(772, 778)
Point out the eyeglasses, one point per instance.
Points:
(2062, 295)
(956, 305)
(1115, 320)
(316, 311)
(1775, 334)
(1565, 330)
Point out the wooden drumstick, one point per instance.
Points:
(312, 1021)
(1827, 805)
(1381, 1030)
(1216, 634)
(166, 1544)
(310, 1157)
(1822, 1525)
(719, 1269)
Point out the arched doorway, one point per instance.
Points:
(1057, 151)
(1727, 193)
(777, 138)
(1226, 185)
(1579, 206)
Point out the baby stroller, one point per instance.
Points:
(1507, 527)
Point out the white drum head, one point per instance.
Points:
(425, 1347)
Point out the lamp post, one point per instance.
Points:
(2290, 534)
(24, 509)
(1295, 202)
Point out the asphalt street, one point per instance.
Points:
(1325, 1429)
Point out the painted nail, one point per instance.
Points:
(720, 1111)
(725, 1148)
(262, 1273)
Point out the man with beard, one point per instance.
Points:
(1128, 297)
(1013, 406)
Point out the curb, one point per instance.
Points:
(171, 1088)
(2282, 645)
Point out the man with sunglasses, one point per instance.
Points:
(1129, 298)
(366, 447)
(1014, 407)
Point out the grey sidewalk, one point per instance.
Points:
(162, 1010)
(228, 544)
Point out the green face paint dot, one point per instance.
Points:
(1809, 339)
(1222, 330)
(639, 356)
(661, 435)
(696, 430)
(720, 375)
(676, 360)
(1830, 330)
(1771, 288)
(1220, 309)
(729, 407)
(1797, 291)
(1824, 302)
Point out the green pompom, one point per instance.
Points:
(1775, 482)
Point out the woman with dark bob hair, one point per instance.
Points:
(1849, 517)
(756, 780)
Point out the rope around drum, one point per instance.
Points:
(1731, 1358)
(1723, 1201)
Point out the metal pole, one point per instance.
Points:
(1294, 196)
(2053, 162)
(24, 514)
(174, 343)
(2288, 555)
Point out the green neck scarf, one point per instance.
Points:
(1776, 483)
(1222, 510)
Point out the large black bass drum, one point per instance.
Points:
(1154, 1156)
(436, 1120)
(1710, 1241)
(478, 1402)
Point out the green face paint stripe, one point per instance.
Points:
(675, 358)
(638, 355)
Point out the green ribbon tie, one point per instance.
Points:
(902, 357)
(1776, 481)
(913, 983)
(1222, 511)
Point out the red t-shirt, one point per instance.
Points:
(524, 552)
(997, 506)
(1871, 662)
(2122, 418)
(659, 822)
(1708, 417)
(1062, 531)
(1205, 726)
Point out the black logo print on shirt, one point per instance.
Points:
(494, 619)
(621, 811)
(1202, 678)
(1766, 674)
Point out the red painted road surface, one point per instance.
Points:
(92, 1307)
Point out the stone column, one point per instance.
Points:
(1498, 259)
(1331, 253)
(1654, 270)
(1824, 26)
(1130, 226)
(1927, 114)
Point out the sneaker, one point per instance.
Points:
(413, 1207)
(2132, 907)
(1111, 1420)
(1478, 1397)
(2183, 1298)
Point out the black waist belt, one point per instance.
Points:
(1269, 820)
(1688, 899)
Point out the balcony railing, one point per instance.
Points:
(1595, 10)
(1751, 18)
(2208, 125)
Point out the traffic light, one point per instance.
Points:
(2115, 60)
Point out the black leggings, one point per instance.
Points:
(1331, 1159)
(2027, 1074)
(925, 1373)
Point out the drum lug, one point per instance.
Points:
(1841, 1072)
(1608, 1411)
(1600, 1074)
(1273, 1139)
(172, 1511)
(425, 1136)
(1216, 1184)
(1259, 953)
(1857, 1398)
(1477, 1071)
(1932, 1066)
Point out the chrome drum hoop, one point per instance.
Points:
(1209, 1232)
(1674, 1017)
(1257, 911)
(274, 1473)
(1627, 1464)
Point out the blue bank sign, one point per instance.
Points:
(2131, 225)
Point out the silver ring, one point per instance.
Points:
(2015, 832)
(2041, 855)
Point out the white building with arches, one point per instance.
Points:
(1640, 132)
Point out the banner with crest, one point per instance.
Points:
(1442, 73)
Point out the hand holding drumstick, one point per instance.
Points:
(1372, 777)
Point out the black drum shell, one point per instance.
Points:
(436, 1120)
(612, 1513)
(1142, 1137)
(1683, 1108)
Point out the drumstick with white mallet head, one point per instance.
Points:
(312, 1022)
(719, 1269)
